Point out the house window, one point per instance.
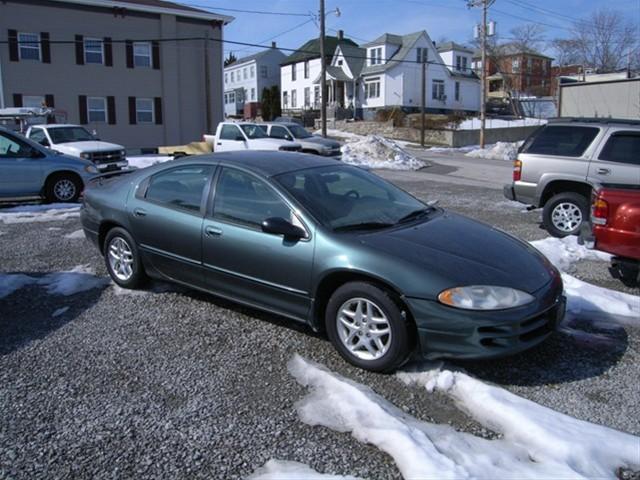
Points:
(294, 98)
(264, 71)
(252, 71)
(144, 110)
(375, 56)
(285, 99)
(529, 64)
(97, 109)
(372, 88)
(226, 78)
(306, 69)
(253, 94)
(307, 97)
(293, 73)
(244, 73)
(29, 46)
(339, 62)
(233, 74)
(93, 51)
(231, 96)
(457, 92)
(33, 101)
(464, 64)
(422, 54)
(515, 65)
(316, 96)
(437, 90)
(142, 54)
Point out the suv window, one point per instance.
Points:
(279, 132)
(37, 135)
(622, 147)
(180, 187)
(11, 147)
(229, 132)
(243, 198)
(561, 140)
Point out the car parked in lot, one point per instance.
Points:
(231, 136)
(330, 245)
(295, 133)
(76, 141)
(615, 219)
(561, 163)
(28, 169)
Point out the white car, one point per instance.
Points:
(76, 141)
(246, 136)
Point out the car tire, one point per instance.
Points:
(564, 214)
(627, 273)
(63, 188)
(122, 259)
(350, 333)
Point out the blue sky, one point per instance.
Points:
(366, 19)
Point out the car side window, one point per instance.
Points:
(279, 132)
(565, 141)
(180, 187)
(244, 199)
(229, 132)
(13, 148)
(38, 136)
(622, 147)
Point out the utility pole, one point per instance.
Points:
(323, 74)
(423, 99)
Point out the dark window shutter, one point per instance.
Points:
(17, 100)
(82, 109)
(157, 110)
(13, 46)
(155, 47)
(129, 48)
(45, 47)
(48, 100)
(111, 110)
(79, 50)
(132, 110)
(108, 52)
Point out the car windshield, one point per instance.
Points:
(253, 131)
(69, 134)
(348, 198)
(298, 131)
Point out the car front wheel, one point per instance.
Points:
(367, 327)
(122, 259)
(63, 188)
(565, 213)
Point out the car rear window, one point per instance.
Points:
(622, 147)
(561, 140)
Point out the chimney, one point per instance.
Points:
(273, 44)
(340, 34)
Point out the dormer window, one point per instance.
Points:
(375, 56)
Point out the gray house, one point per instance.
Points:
(140, 72)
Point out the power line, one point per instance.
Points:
(279, 34)
(258, 12)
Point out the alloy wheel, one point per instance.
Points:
(363, 329)
(566, 217)
(120, 258)
(64, 189)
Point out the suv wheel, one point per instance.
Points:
(64, 188)
(565, 213)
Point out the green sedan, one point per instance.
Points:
(386, 276)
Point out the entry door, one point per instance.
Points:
(166, 215)
(243, 262)
(20, 171)
(618, 159)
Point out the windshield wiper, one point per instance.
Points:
(417, 214)
(363, 226)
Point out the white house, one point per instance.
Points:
(245, 79)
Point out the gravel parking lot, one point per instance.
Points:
(172, 383)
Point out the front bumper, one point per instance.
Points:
(446, 332)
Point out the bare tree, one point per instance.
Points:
(527, 37)
(566, 51)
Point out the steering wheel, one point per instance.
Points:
(353, 194)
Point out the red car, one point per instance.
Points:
(615, 219)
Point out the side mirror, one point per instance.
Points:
(289, 137)
(280, 226)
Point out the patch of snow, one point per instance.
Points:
(375, 151)
(75, 235)
(340, 134)
(286, 470)
(452, 149)
(54, 229)
(59, 311)
(79, 279)
(474, 123)
(10, 282)
(143, 161)
(563, 252)
(498, 151)
(537, 442)
(39, 213)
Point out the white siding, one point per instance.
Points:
(288, 85)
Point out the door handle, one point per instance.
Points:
(219, 143)
(139, 212)
(213, 231)
(604, 171)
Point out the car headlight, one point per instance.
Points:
(91, 169)
(123, 153)
(85, 155)
(484, 297)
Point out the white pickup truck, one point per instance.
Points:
(246, 136)
(76, 141)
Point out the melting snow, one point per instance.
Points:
(59, 311)
(563, 252)
(474, 123)
(39, 213)
(285, 470)
(79, 279)
(11, 282)
(497, 151)
(374, 151)
(75, 235)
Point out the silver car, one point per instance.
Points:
(310, 143)
(558, 166)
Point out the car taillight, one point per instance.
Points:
(599, 211)
(517, 170)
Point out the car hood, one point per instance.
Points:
(462, 251)
(271, 143)
(87, 146)
(325, 142)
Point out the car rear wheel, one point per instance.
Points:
(564, 214)
(63, 188)
(122, 259)
(367, 327)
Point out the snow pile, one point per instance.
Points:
(474, 123)
(79, 279)
(144, 161)
(75, 235)
(537, 442)
(498, 151)
(374, 151)
(39, 213)
(284, 470)
(563, 252)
